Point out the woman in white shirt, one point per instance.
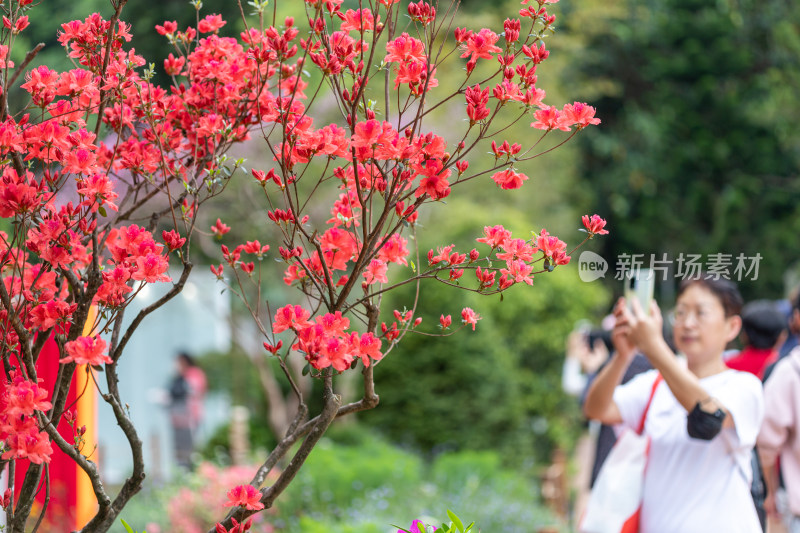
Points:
(703, 419)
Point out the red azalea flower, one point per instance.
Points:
(86, 350)
(594, 225)
(468, 316)
(219, 229)
(246, 496)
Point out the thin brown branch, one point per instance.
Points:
(323, 421)
(22, 66)
(89, 467)
(106, 60)
(11, 480)
(26, 498)
(292, 435)
(46, 498)
(174, 291)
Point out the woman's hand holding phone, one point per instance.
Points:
(621, 334)
(643, 330)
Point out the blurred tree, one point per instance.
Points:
(695, 153)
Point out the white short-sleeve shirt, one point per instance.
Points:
(694, 485)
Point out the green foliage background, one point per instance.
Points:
(499, 386)
(699, 147)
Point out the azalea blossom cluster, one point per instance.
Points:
(97, 145)
(385, 171)
(387, 163)
(61, 238)
(326, 341)
(519, 256)
(19, 428)
(100, 146)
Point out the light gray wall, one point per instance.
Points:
(197, 321)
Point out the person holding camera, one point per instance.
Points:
(703, 418)
(586, 351)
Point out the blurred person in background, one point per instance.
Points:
(793, 329)
(187, 390)
(792, 333)
(763, 331)
(606, 436)
(779, 442)
(587, 348)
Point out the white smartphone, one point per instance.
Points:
(640, 284)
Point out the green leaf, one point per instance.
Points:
(456, 520)
(102, 210)
(128, 528)
(306, 369)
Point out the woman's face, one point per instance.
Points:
(701, 329)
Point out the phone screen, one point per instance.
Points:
(640, 284)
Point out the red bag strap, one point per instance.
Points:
(659, 379)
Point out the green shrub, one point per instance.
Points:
(334, 476)
(498, 387)
(453, 472)
(309, 525)
(366, 488)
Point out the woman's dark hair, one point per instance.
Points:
(724, 289)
